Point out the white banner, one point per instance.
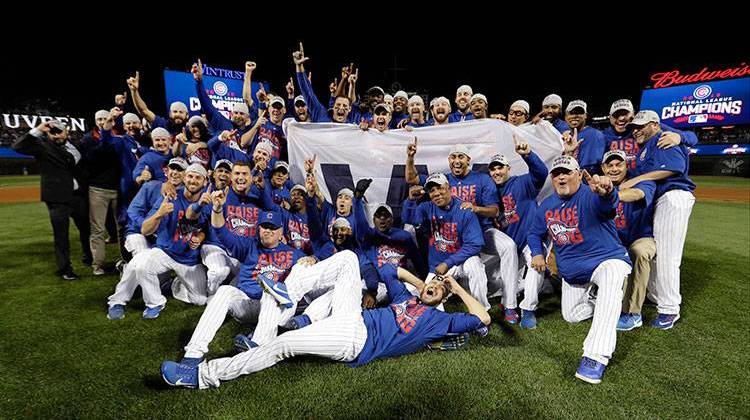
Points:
(346, 154)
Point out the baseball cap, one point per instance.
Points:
(440, 99)
(299, 98)
(478, 96)
(388, 97)
(460, 148)
(621, 104)
(576, 104)
(299, 187)
(101, 114)
(615, 154)
(645, 117)
(465, 88)
(521, 104)
(280, 165)
(416, 99)
(382, 106)
(435, 179)
(130, 117)
(225, 163)
(341, 222)
(265, 145)
(177, 163)
(384, 206)
(197, 168)
(160, 133)
(270, 218)
(565, 162)
(57, 124)
(401, 94)
(345, 191)
(377, 90)
(240, 107)
(178, 106)
(196, 119)
(277, 100)
(552, 99)
(498, 159)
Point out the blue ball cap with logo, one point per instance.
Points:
(270, 218)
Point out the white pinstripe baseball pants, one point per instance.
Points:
(342, 267)
(502, 245)
(471, 273)
(532, 283)
(144, 269)
(609, 276)
(339, 337)
(219, 265)
(135, 243)
(671, 217)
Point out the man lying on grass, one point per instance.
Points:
(349, 334)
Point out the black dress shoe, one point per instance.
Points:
(68, 274)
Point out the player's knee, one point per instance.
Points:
(570, 316)
(217, 273)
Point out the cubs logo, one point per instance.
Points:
(563, 234)
(408, 313)
(390, 255)
(220, 88)
(240, 227)
(702, 92)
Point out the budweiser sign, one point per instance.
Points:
(674, 77)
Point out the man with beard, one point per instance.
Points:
(580, 222)
(375, 96)
(586, 144)
(478, 106)
(240, 118)
(634, 222)
(674, 202)
(300, 109)
(241, 209)
(551, 111)
(462, 112)
(178, 112)
(180, 226)
(400, 102)
(518, 203)
(440, 108)
(618, 135)
(342, 105)
(416, 112)
(518, 113)
(151, 165)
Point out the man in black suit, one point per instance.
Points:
(62, 188)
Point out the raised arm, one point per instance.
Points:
(472, 305)
(411, 174)
(247, 83)
(138, 102)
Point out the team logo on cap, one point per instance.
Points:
(220, 88)
(702, 92)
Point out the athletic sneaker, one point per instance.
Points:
(277, 290)
(178, 374)
(590, 371)
(116, 312)
(665, 321)
(191, 361)
(244, 342)
(482, 331)
(98, 271)
(152, 313)
(528, 320)
(511, 316)
(629, 321)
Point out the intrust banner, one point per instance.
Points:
(346, 154)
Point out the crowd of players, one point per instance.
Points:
(209, 199)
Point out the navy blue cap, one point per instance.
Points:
(270, 217)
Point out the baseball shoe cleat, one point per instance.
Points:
(244, 342)
(665, 321)
(191, 361)
(511, 316)
(482, 331)
(450, 342)
(277, 290)
(629, 321)
(299, 321)
(590, 371)
(528, 320)
(116, 312)
(152, 313)
(120, 265)
(178, 374)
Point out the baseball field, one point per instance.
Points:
(61, 357)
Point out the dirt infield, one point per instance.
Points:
(734, 195)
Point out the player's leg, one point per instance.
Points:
(642, 253)
(217, 264)
(190, 284)
(575, 303)
(532, 283)
(671, 218)
(154, 263)
(473, 271)
(602, 337)
(129, 280)
(212, 319)
(320, 276)
(502, 245)
(339, 338)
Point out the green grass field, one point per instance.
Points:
(19, 181)
(61, 357)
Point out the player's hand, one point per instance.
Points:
(145, 174)
(290, 88)
(44, 127)
(120, 99)
(368, 301)
(538, 263)
(134, 82)
(299, 56)
(227, 134)
(250, 66)
(416, 192)
(182, 136)
(522, 148)
(362, 186)
(451, 284)
(346, 71)
(411, 149)
(353, 77)
(363, 124)
(310, 164)
(165, 208)
(668, 140)
(467, 205)
(441, 269)
(402, 124)
(168, 190)
(257, 178)
(205, 198)
(191, 148)
(570, 142)
(261, 94)
(261, 118)
(218, 198)
(285, 205)
(197, 71)
(537, 118)
(307, 261)
(499, 117)
(601, 185)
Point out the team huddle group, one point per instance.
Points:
(209, 198)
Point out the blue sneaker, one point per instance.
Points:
(152, 313)
(191, 361)
(178, 374)
(244, 342)
(482, 331)
(511, 316)
(116, 312)
(299, 321)
(590, 371)
(629, 322)
(277, 290)
(528, 320)
(450, 342)
(665, 321)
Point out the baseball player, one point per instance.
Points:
(295, 220)
(342, 105)
(349, 334)
(455, 236)
(416, 112)
(479, 106)
(477, 192)
(191, 143)
(579, 220)
(280, 183)
(400, 101)
(551, 111)
(518, 113)
(674, 203)
(440, 110)
(518, 203)
(178, 112)
(585, 143)
(634, 222)
(462, 112)
(180, 226)
(151, 164)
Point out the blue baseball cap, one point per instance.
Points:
(270, 218)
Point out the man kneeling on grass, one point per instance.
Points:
(349, 334)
